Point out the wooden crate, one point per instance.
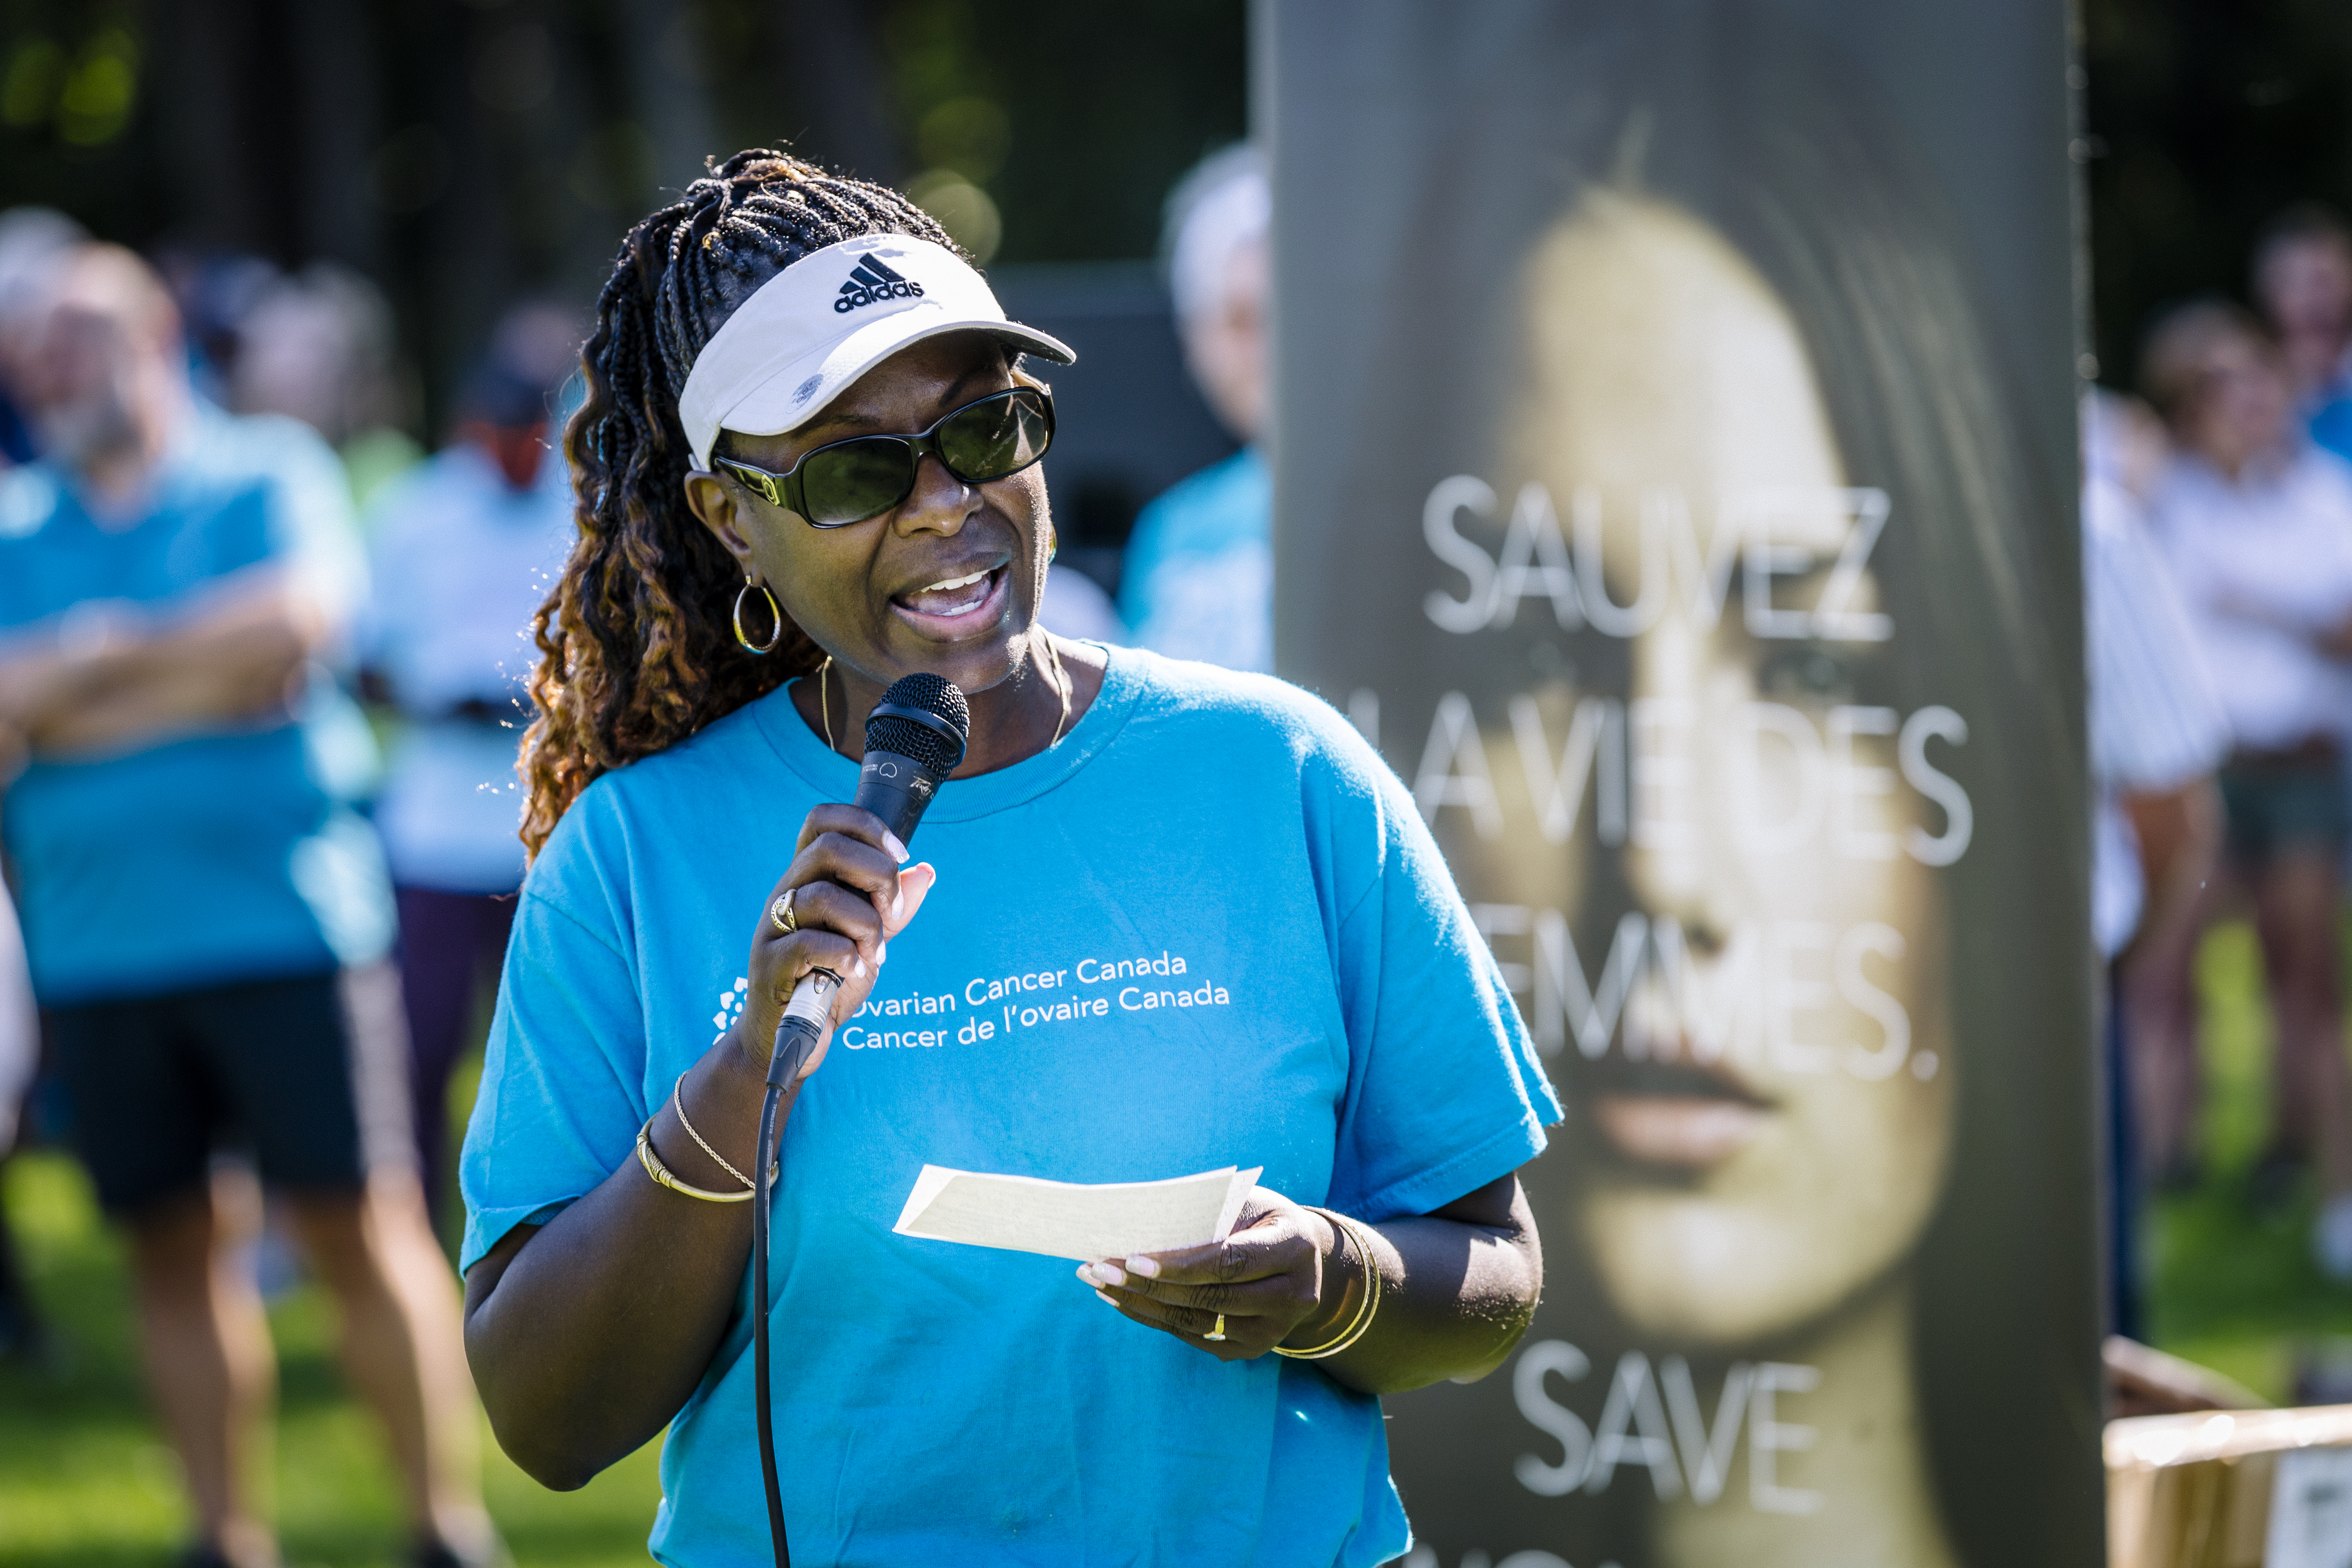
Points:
(2246, 1488)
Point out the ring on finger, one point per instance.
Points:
(1217, 1335)
(780, 915)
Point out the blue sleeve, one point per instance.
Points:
(29, 498)
(1445, 1092)
(311, 528)
(1147, 547)
(2332, 426)
(562, 1096)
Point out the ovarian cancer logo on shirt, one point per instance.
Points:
(730, 1007)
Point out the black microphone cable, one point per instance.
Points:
(914, 738)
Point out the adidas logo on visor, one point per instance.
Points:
(872, 279)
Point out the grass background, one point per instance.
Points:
(86, 1482)
(2232, 1284)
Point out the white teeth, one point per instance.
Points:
(954, 582)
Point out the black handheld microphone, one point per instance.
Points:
(914, 738)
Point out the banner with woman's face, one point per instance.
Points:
(1675, 472)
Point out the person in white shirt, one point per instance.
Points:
(2156, 734)
(464, 548)
(2257, 523)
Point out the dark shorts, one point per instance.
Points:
(309, 1075)
(2278, 804)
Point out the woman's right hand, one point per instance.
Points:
(849, 898)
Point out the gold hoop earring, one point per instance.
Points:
(1052, 543)
(775, 618)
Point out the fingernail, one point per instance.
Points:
(898, 901)
(882, 952)
(890, 842)
(1108, 1298)
(1086, 1274)
(1143, 1265)
(1109, 1274)
(857, 965)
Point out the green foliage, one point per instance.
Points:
(1077, 118)
(2205, 120)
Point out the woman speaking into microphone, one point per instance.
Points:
(1170, 919)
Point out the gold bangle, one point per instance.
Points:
(1360, 1234)
(660, 1173)
(1365, 1310)
(678, 1103)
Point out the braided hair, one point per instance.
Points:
(637, 641)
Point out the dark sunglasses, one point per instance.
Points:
(843, 482)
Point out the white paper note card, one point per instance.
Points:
(1072, 1219)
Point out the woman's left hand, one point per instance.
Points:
(1267, 1279)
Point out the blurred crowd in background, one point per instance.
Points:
(218, 549)
(361, 300)
(2217, 526)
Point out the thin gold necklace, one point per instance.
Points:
(1060, 678)
(823, 709)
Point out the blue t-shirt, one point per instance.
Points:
(220, 856)
(1198, 580)
(1208, 929)
(2331, 424)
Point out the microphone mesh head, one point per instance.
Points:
(920, 744)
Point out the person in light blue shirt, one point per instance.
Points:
(1171, 919)
(1198, 578)
(205, 914)
(463, 550)
(2302, 283)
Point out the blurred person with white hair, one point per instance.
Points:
(2256, 522)
(205, 918)
(463, 549)
(1198, 577)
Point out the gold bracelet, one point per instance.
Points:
(660, 1173)
(1365, 1310)
(678, 1103)
(1361, 1235)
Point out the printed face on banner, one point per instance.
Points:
(1707, 845)
(1677, 491)
(1768, 1117)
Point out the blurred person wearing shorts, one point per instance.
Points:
(2157, 732)
(203, 915)
(2257, 523)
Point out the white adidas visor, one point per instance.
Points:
(827, 319)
